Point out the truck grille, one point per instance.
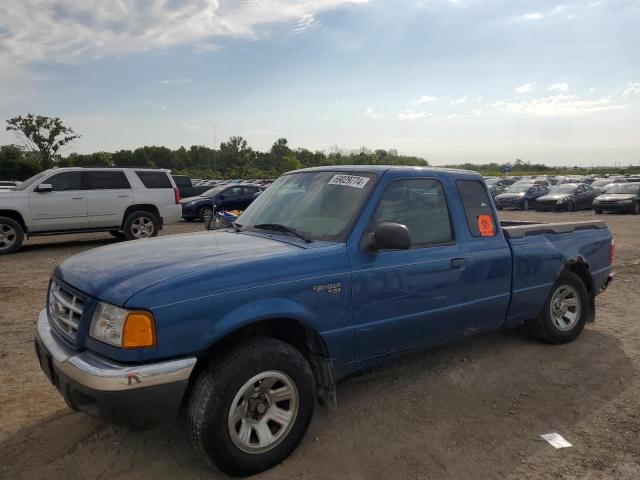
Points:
(65, 308)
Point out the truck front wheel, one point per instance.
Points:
(565, 312)
(11, 235)
(251, 406)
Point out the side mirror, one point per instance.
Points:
(390, 236)
(44, 188)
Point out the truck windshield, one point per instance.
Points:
(320, 205)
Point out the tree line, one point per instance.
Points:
(233, 159)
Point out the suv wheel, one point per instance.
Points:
(11, 235)
(251, 406)
(140, 224)
(565, 312)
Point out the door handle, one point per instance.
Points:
(77, 198)
(458, 263)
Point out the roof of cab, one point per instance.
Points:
(381, 169)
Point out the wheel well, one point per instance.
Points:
(143, 207)
(300, 336)
(581, 269)
(12, 214)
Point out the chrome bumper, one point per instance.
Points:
(99, 373)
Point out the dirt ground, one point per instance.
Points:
(473, 409)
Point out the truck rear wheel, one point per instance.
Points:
(11, 235)
(564, 313)
(251, 407)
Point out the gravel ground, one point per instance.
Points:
(472, 409)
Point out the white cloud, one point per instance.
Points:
(458, 101)
(559, 87)
(531, 16)
(426, 99)
(371, 113)
(177, 81)
(633, 88)
(524, 88)
(592, 89)
(411, 114)
(68, 30)
(557, 105)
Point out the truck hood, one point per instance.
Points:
(554, 196)
(117, 272)
(616, 196)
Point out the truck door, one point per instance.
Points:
(487, 278)
(403, 298)
(63, 208)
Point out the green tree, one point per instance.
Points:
(41, 134)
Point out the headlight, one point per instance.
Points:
(595, 200)
(562, 200)
(122, 328)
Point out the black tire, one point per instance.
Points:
(133, 229)
(598, 212)
(525, 205)
(218, 385)
(117, 234)
(636, 208)
(545, 329)
(11, 235)
(205, 212)
(571, 207)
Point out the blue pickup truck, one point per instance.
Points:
(330, 271)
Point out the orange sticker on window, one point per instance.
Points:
(485, 226)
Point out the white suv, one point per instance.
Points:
(127, 202)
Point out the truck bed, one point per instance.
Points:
(541, 251)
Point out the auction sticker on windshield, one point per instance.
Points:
(349, 180)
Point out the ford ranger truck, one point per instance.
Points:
(330, 271)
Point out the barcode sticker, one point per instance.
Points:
(349, 181)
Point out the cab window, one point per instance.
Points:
(420, 205)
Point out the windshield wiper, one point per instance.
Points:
(283, 228)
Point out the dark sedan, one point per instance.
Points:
(567, 197)
(621, 197)
(224, 197)
(521, 196)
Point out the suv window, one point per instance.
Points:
(154, 179)
(477, 208)
(65, 181)
(108, 180)
(421, 206)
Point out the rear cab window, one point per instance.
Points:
(477, 208)
(154, 179)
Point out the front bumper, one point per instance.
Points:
(614, 207)
(140, 396)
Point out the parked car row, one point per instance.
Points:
(570, 197)
(223, 197)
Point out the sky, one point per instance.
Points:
(451, 81)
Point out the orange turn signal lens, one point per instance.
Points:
(139, 331)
